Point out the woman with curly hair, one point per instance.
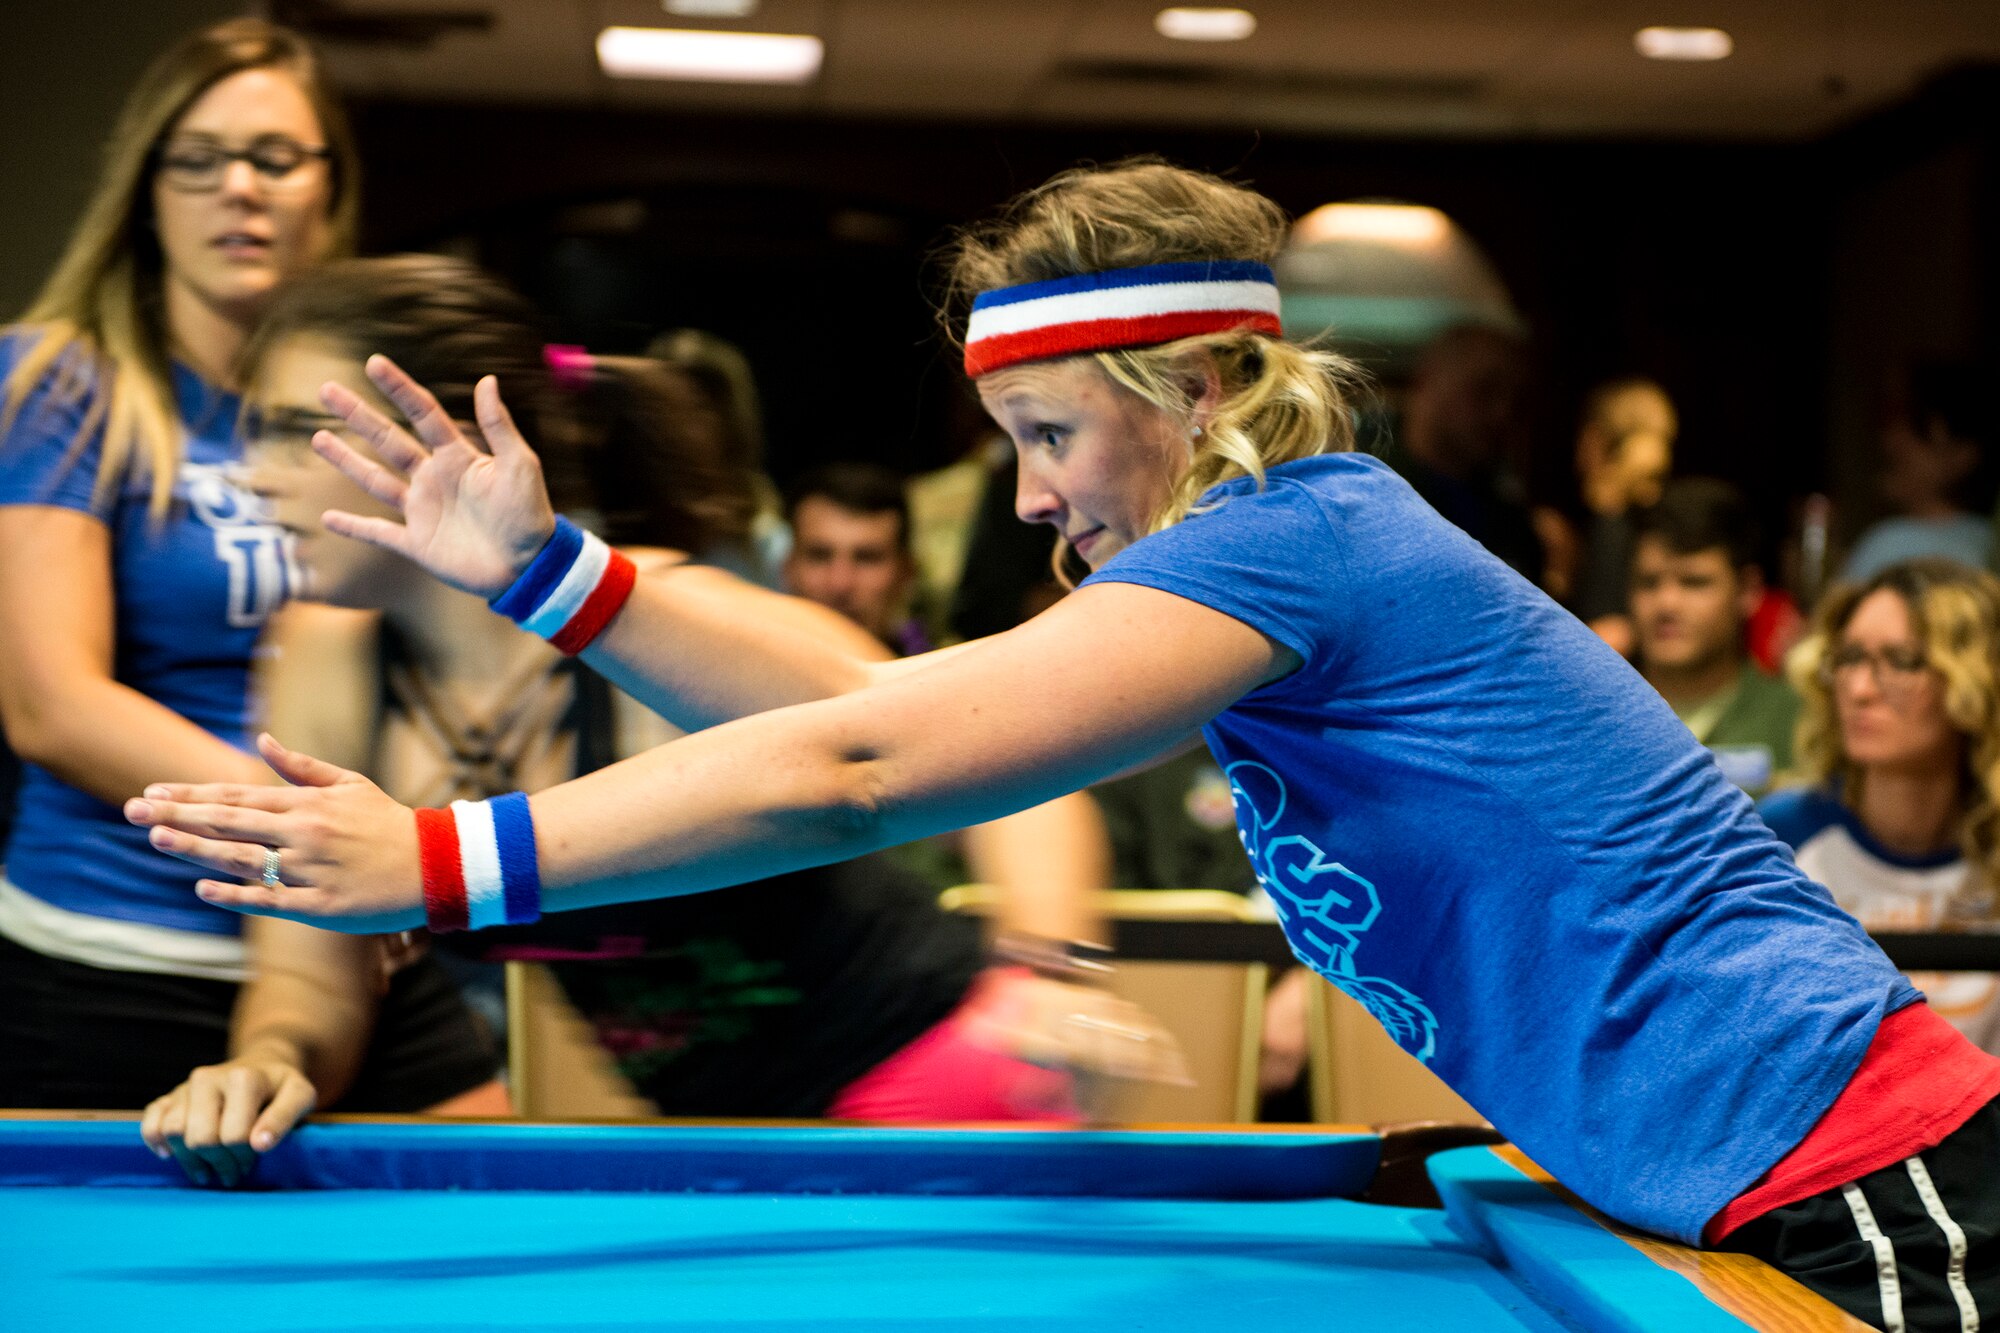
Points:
(1899, 751)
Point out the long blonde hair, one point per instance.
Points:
(1956, 613)
(1280, 401)
(101, 334)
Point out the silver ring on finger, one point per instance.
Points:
(273, 868)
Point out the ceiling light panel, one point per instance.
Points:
(1190, 24)
(1662, 43)
(710, 9)
(709, 57)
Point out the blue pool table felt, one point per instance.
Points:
(732, 1228)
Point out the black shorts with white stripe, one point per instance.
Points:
(1914, 1246)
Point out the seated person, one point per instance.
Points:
(1460, 436)
(851, 550)
(1899, 754)
(841, 990)
(1940, 469)
(1695, 585)
(1624, 451)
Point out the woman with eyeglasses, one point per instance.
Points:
(135, 578)
(1899, 749)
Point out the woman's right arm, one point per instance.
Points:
(62, 709)
(696, 645)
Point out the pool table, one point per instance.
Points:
(404, 1226)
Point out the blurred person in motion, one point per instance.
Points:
(842, 990)
(1695, 583)
(1624, 452)
(1940, 472)
(1899, 760)
(1461, 436)
(135, 577)
(727, 406)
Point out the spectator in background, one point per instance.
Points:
(1462, 432)
(851, 550)
(1940, 471)
(727, 390)
(135, 577)
(1624, 451)
(1695, 584)
(1899, 754)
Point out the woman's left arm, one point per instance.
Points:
(1109, 676)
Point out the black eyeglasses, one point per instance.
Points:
(1896, 671)
(195, 168)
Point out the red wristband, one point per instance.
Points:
(443, 875)
(604, 602)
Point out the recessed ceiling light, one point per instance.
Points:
(1683, 43)
(710, 9)
(713, 57)
(1188, 24)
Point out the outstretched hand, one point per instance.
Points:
(348, 857)
(474, 519)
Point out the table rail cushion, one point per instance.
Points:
(1023, 1163)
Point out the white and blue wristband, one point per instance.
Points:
(571, 590)
(479, 864)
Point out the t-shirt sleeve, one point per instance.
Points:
(1267, 558)
(40, 461)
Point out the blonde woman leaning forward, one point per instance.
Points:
(1900, 763)
(1471, 814)
(134, 580)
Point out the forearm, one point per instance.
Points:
(763, 796)
(310, 1003)
(109, 740)
(700, 647)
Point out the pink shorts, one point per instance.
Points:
(946, 1075)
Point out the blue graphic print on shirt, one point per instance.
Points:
(1325, 907)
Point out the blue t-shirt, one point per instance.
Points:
(1481, 823)
(192, 592)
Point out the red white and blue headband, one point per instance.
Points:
(1123, 307)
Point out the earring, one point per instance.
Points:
(1196, 434)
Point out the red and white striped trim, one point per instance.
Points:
(1133, 307)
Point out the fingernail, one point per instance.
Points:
(205, 891)
(262, 1140)
(161, 838)
(136, 809)
(157, 791)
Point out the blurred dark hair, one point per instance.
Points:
(627, 440)
(861, 488)
(1701, 514)
(1958, 397)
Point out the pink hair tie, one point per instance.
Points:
(569, 365)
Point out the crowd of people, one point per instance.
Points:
(168, 585)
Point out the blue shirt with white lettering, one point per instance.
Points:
(1480, 822)
(192, 591)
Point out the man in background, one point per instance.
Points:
(1695, 584)
(851, 550)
